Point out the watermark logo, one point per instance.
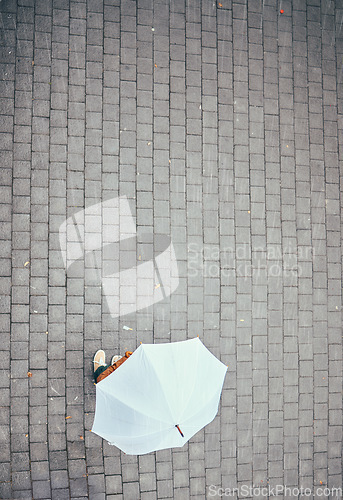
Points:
(135, 269)
(242, 261)
(268, 491)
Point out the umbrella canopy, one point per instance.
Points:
(160, 397)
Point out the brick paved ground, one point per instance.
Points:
(223, 127)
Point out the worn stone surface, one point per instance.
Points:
(222, 125)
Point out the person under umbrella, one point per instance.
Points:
(101, 369)
(160, 397)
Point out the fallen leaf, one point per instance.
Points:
(29, 374)
(26, 263)
(220, 5)
(155, 65)
(68, 417)
(157, 286)
(81, 437)
(33, 63)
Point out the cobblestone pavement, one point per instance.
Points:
(222, 125)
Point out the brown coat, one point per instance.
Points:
(113, 367)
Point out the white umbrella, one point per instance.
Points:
(160, 397)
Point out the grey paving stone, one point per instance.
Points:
(255, 115)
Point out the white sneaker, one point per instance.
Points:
(99, 359)
(115, 359)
